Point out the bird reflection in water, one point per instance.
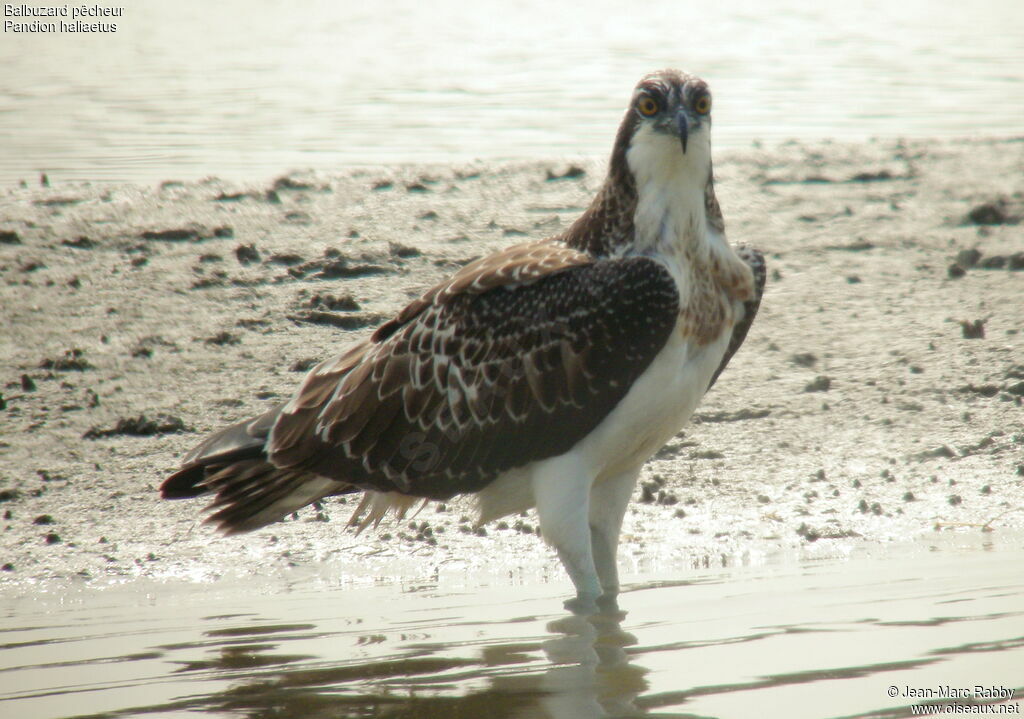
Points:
(580, 670)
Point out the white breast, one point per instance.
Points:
(656, 407)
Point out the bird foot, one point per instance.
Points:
(606, 605)
(582, 605)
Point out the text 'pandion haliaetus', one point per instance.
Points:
(541, 376)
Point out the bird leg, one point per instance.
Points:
(608, 501)
(561, 490)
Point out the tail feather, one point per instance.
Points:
(185, 483)
(275, 495)
(249, 491)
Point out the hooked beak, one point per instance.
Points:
(683, 126)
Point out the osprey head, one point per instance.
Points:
(660, 167)
(673, 103)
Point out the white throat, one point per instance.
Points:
(670, 213)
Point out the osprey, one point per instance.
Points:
(541, 376)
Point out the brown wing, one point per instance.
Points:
(755, 260)
(507, 364)
(515, 265)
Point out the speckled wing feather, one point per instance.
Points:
(516, 265)
(754, 260)
(506, 364)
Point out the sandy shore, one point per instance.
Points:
(878, 396)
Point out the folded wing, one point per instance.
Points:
(515, 359)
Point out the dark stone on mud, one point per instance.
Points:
(344, 268)
(140, 426)
(955, 271)
(286, 259)
(331, 319)
(43, 519)
(707, 454)
(73, 360)
(573, 172)
(344, 303)
(247, 254)
(872, 176)
(995, 262)
(287, 183)
(58, 201)
(9, 237)
(1017, 389)
(304, 365)
(297, 217)
(231, 197)
(808, 533)
(968, 258)
(9, 495)
(27, 383)
(223, 338)
(973, 329)
(992, 213)
(858, 246)
(81, 242)
(737, 416)
(204, 282)
(985, 390)
(179, 235)
(1016, 261)
(404, 251)
(821, 383)
(943, 451)
(251, 323)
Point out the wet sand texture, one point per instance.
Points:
(877, 397)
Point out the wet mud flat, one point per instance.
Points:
(877, 398)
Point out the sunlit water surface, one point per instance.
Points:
(246, 89)
(798, 639)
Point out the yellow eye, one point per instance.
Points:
(647, 106)
(703, 104)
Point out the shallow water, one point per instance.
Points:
(245, 89)
(799, 639)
